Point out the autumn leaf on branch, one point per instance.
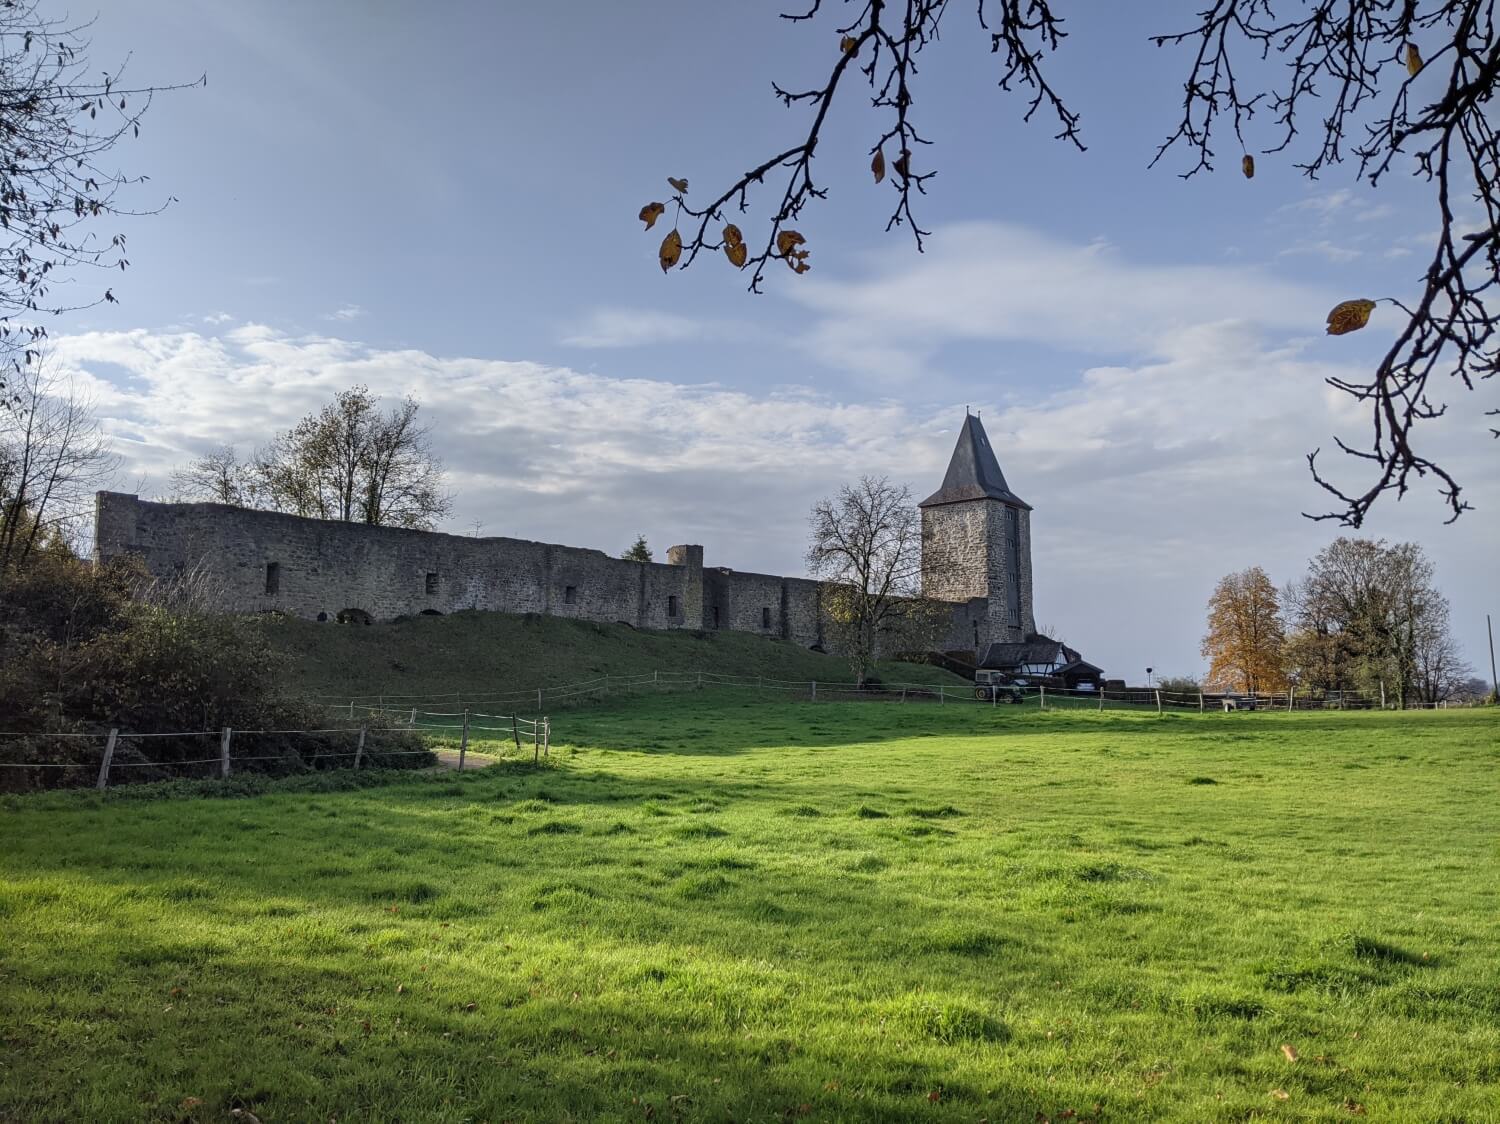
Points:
(651, 212)
(1349, 316)
(671, 250)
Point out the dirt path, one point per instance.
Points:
(448, 759)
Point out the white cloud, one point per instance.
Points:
(1152, 474)
(632, 327)
(997, 282)
(345, 312)
(1324, 248)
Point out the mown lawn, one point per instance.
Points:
(713, 907)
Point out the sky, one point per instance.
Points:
(439, 200)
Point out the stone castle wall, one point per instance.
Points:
(264, 560)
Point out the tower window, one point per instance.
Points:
(570, 595)
(765, 618)
(273, 577)
(716, 616)
(431, 583)
(671, 606)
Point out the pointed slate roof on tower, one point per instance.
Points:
(973, 473)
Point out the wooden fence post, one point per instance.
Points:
(903, 694)
(109, 754)
(359, 748)
(463, 743)
(351, 710)
(515, 732)
(538, 702)
(1291, 693)
(814, 690)
(994, 694)
(1042, 697)
(1158, 700)
(1101, 698)
(1200, 702)
(413, 721)
(224, 737)
(547, 737)
(942, 695)
(1382, 694)
(536, 745)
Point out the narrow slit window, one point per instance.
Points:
(671, 606)
(765, 617)
(570, 595)
(716, 616)
(431, 584)
(273, 577)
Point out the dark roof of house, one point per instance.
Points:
(1079, 667)
(973, 471)
(1035, 649)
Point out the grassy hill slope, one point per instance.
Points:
(479, 652)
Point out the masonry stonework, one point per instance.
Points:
(976, 555)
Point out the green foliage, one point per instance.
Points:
(1083, 928)
(1179, 685)
(84, 649)
(639, 551)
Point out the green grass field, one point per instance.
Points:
(715, 906)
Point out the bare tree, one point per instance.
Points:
(57, 126)
(218, 476)
(52, 459)
(867, 549)
(1394, 86)
(1439, 669)
(353, 462)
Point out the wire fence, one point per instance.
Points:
(394, 706)
(352, 746)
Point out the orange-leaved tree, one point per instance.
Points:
(1246, 636)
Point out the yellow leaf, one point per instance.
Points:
(1289, 1051)
(732, 236)
(788, 239)
(651, 212)
(877, 165)
(1281, 1094)
(736, 254)
(671, 250)
(677, 184)
(1413, 60)
(847, 44)
(1248, 165)
(1350, 316)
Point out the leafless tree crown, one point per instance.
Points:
(1390, 85)
(58, 124)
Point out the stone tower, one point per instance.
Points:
(976, 540)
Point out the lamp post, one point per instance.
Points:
(1148, 677)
